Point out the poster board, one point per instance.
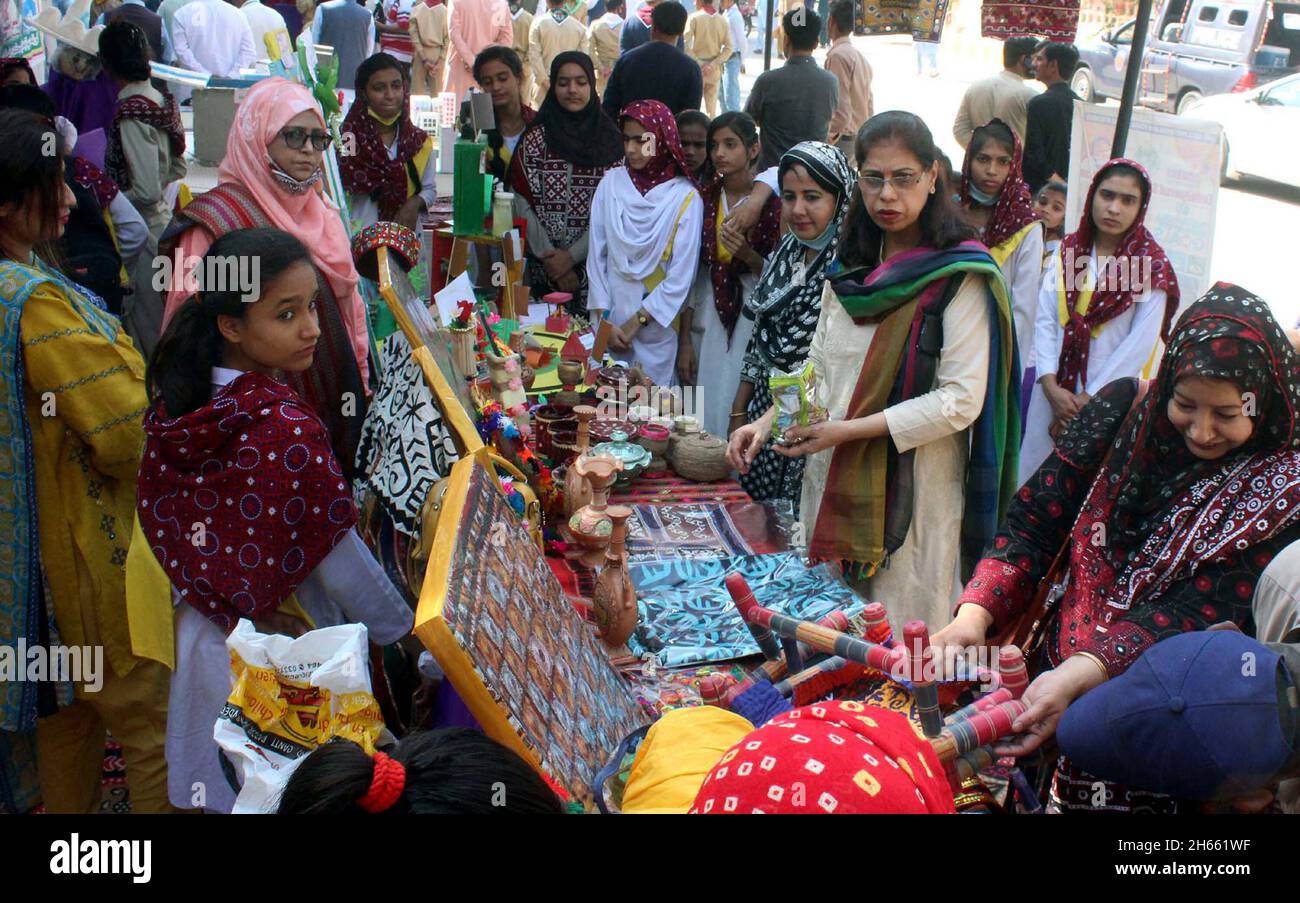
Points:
(18, 37)
(1182, 156)
(527, 666)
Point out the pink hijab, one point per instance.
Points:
(267, 108)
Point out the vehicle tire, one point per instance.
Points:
(1084, 85)
(1185, 101)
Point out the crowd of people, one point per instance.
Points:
(990, 392)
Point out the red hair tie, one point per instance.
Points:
(386, 785)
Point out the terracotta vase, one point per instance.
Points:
(590, 526)
(577, 491)
(614, 597)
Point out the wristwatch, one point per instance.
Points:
(642, 318)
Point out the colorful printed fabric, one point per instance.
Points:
(724, 273)
(668, 160)
(922, 19)
(834, 758)
(687, 616)
(866, 509)
(1014, 208)
(697, 531)
(405, 445)
(1138, 253)
(1186, 538)
(166, 119)
(369, 170)
(669, 489)
(1056, 20)
(92, 178)
(253, 469)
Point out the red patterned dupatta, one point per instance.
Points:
(1014, 208)
(1163, 512)
(241, 499)
(1139, 252)
(369, 171)
(724, 272)
(165, 118)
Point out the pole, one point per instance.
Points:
(1131, 75)
(768, 9)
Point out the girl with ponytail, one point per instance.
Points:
(241, 498)
(451, 771)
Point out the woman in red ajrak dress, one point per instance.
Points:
(241, 498)
(1172, 504)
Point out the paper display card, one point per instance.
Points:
(448, 300)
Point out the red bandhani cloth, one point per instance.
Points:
(1139, 253)
(667, 488)
(725, 277)
(668, 160)
(1014, 208)
(241, 499)
(92, 178)
(1055, 19)
(842, 758)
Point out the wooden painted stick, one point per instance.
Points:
(793, 658)
(916, 640)
(975, 761)
(826, 666)
(820, 638)
(1000, 695)
(877, 624)
(1011, 665)
(743, 596)
(983, 728)
(773, 671)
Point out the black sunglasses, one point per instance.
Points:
(296, 137)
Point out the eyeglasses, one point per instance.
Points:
(876, 184)
(296, 137)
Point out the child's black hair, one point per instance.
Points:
(450, 771)
(180, 371)
(124, 51)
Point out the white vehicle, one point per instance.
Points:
(1261, 130)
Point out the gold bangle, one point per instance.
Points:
(741, 414)
(1105, 672)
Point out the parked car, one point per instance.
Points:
(1261, 130)
(1195, 48)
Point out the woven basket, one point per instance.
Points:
(700, 457)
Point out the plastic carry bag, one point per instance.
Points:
(290, 696)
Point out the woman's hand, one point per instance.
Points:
(687, 364)
(408, 214)
(810, 439)
(557, 263)
(733, 239)
(968, 629)
(618, 339)
(1047, 699)
(1065, 404)
(748, 440)
(743, 218)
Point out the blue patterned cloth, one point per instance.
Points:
(687, 616)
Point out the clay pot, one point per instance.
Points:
(548, 420)
(614, 598)
(654, 439)
(570, 373)
(577, 491)
(590, 526)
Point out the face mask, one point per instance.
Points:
(979, 197)
(292, 185)
(381, 120)
(821, 241)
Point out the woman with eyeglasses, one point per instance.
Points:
(914, 353)
(271, 177)
(387, 164)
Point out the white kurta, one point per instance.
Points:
(1123, 348)
(365, 212)
(627, 241)
(719, 363)
(213, 36)
(1023, 269)
(923, 577)
(348, 586)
